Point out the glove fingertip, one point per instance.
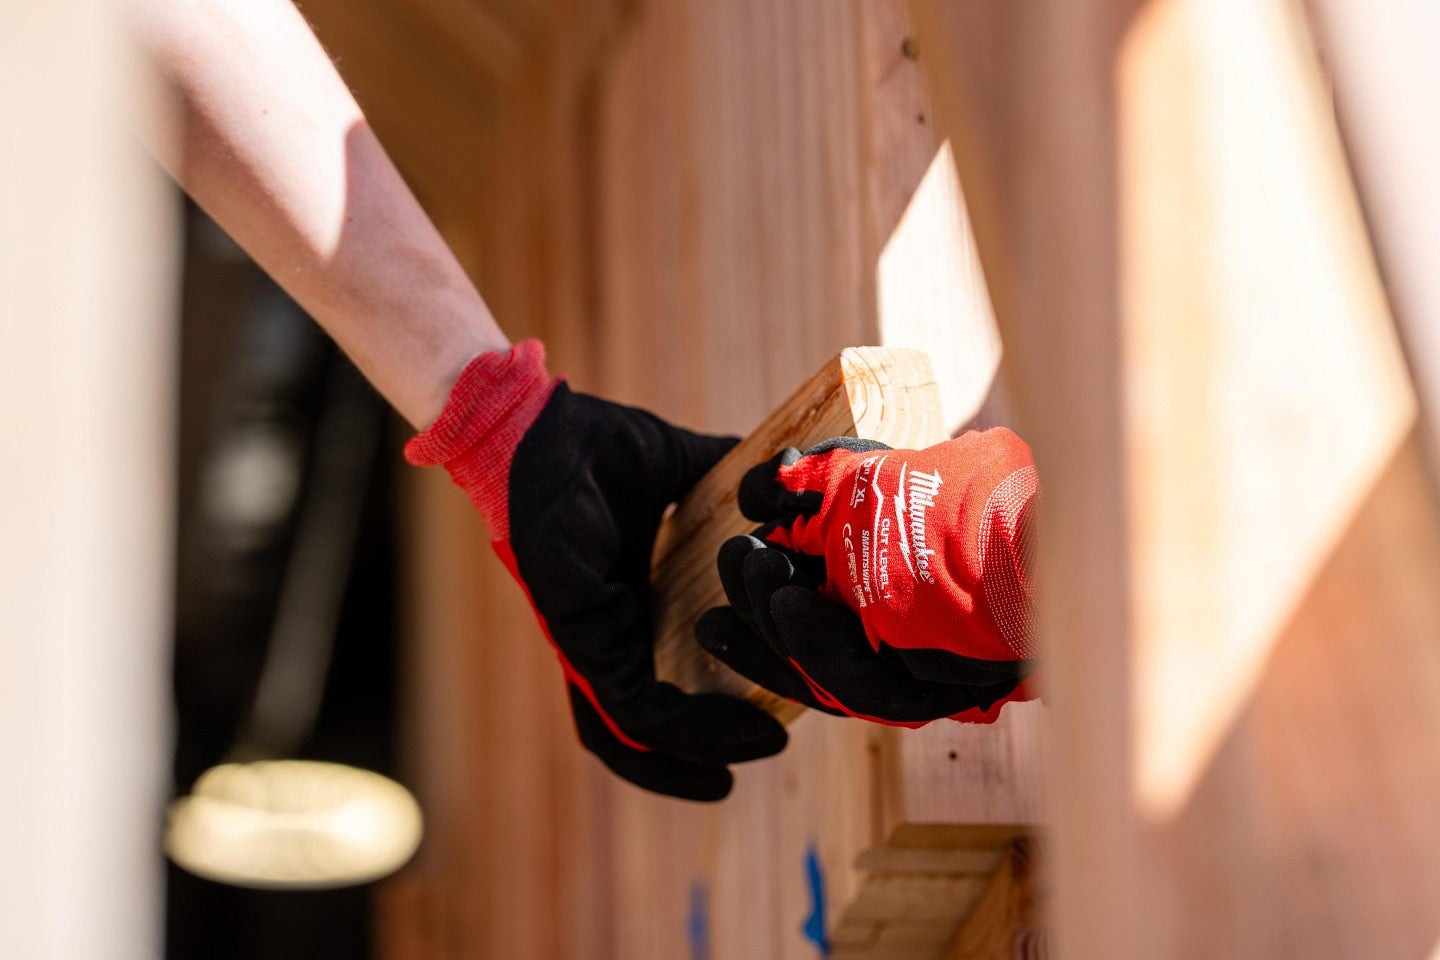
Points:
(762, 497)
(730, 564)
(714, 629)
(852, 444)
(804, 619)
(656, 771)
(767, 570)
(752, 734)
(711, 789)
(722, 634)
(737, 548)
(701, 784)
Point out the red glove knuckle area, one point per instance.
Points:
(1006, 555)
(931, 548)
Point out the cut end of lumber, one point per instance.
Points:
(876, 393)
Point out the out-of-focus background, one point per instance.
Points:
(1204, 231)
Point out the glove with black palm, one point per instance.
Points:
(781, 633)
(573, 489)
(893, 585)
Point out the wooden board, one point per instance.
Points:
(955, 890)
(877, 393)
(1005, 922)
(1381, 58)
(89, 253)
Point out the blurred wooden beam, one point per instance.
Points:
(478, 39)
(429, 109)
(88, 258)
(1025, 93)
(1207, 373)
(1382, 58)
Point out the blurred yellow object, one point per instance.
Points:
(293, 824)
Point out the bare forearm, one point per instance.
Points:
(275, 149)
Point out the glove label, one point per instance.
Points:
(927, 546)
(867, 551)
(923, 489)
(864, 478)
(867, 475)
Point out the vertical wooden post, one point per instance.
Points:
(1382, 60)
(1025, 93)
(87, 369)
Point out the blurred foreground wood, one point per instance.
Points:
(876, 393)
(88, 256)
(1241, 549)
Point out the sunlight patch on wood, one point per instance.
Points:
(1266, 390)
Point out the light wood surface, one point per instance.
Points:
(877, 393)
(89, 256)
(433, 121)
(1381, 58)
(1005, 923)
(961, 891)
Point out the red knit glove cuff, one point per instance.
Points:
(493, 403)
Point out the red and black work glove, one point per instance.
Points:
(573, 489)
(780, 633)
(929, 550)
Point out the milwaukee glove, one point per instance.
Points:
(780, 633)
(573, 489)
(930, 548)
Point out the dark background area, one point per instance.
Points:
(256, 377)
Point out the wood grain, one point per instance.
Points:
(876, 393)
(1004, 923)
(1381, 59)
(929, 889)
(90, 248)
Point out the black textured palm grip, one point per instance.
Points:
(778, 624)
(764, 499)
(589, 485)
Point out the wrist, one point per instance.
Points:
(494, 401)
(444, 359)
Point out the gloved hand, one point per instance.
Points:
(780, 633)
(930, 548)
(573, 489)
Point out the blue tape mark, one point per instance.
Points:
(814, 928)
(697, 924)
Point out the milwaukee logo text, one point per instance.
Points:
(922, 489)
